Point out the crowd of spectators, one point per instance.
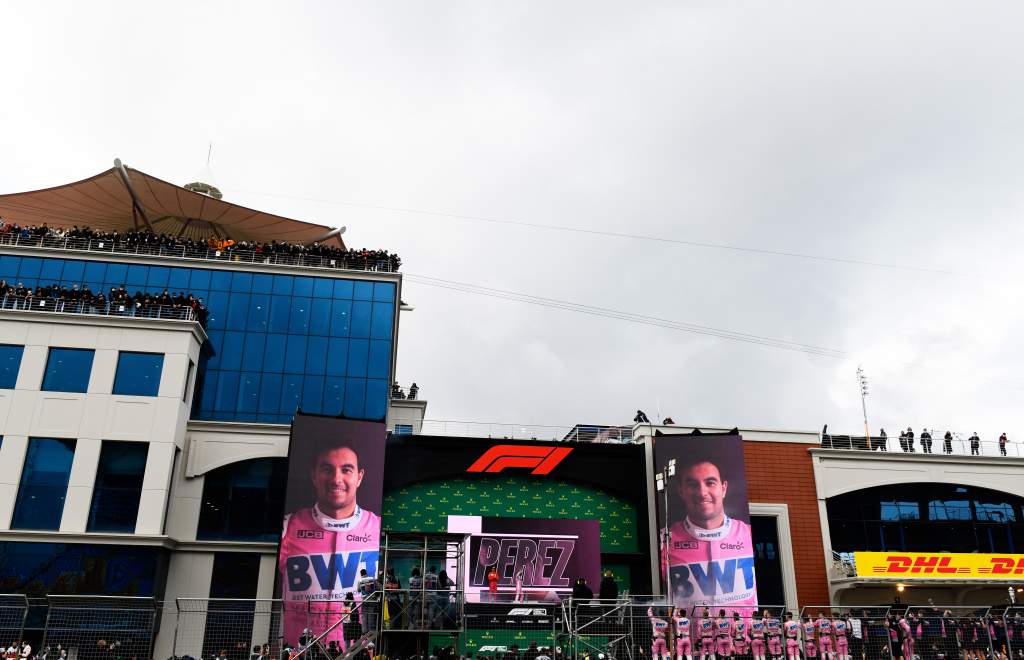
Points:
(398, 393)
(906, 440)
(225, 248)
(117, 302)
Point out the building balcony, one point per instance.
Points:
(958, 446)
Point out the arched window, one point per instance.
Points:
(244, 501)
(928, 517)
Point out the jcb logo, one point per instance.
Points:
(542, 459)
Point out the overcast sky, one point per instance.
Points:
(872, 131)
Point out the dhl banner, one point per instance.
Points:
(939, 565)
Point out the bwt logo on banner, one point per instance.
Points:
(542, 459)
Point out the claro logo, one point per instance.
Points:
(542, 459)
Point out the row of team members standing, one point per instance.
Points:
(759, 636)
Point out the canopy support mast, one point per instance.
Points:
(136, 206)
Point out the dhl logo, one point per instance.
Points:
(938, 565)
(542, 459)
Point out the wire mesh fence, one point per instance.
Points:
(843, 633)
(939, 633)
(99, 627)
(13, 611)
(232, 629)
(1013, 624)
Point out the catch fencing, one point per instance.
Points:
(99, 627)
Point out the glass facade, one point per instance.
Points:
(10, 363)
(44, 484)
(118, 485)
(138, 373)
(928, 517)
(42, 569)
(276, 342)
(244, 501)
(68, 369)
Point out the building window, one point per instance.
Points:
(44, 484)
(243, 501)
(188, 380)
(68, 370)
(138, 373)
(115, 496)
(10, 362)
(403, 429)
(767, 559)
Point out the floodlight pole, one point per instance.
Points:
(862, 381)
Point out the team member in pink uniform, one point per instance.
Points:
(659, 626)
(908, 638)
(824, 626)
(684, 645)
(841, 625)
(723, 635)
(708, 542)
(740, 635)
(324, 547)
(810, 647)
(774, 629)
(707, 635)
(792, 629)
(758, 627)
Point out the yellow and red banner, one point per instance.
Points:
(939, 565)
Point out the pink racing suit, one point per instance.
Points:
(842, 627)
(824, 626)
(723, 637)
(810, 648)
(774, 629)
(658, 628)
(684, 646)
(707, 636)
(712, 566)
(739, 636)
(319, 562)
(757, 632)
(792, 629)
(908, 639)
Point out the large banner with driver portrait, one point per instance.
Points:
(707, 557)
(331, 533)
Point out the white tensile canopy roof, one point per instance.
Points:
(123, 199)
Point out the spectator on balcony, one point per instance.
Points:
(641, 418)
(414, 390)
(903, 441)
(947, 443)
(668, 421)
(975, 444)
(926, 441)
(910, 440)
(1002, 444)
(608, 589)
(396, 391)
(883, 439)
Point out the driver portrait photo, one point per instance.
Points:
(327, 539)
(710, 554)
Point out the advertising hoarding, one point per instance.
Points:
(939, 565)
(706, 550)
(332, 525)
(527, 559)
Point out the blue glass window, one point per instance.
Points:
(243, 501)
(115, 496)
(44, 484)
(403, 429)
(138, 373)
(68, 370)
(10, 363)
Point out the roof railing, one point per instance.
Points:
(125, 309)
(957, 445)
(369, 263)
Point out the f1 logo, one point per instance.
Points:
(542, 459)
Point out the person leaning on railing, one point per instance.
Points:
(56, 298)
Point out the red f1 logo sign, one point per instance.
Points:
(542, 459)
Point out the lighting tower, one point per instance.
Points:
(862, 381)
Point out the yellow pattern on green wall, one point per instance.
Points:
(425, 507)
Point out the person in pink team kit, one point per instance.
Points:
(707, 542)
(723, 635)
(659, 626)
(809, 628)
(684, 645)
(824, 626)
(792, 629)
(758, 631)
(740, 638)
(841, 626)
(324, 547)
(707, 635)
(773, 627)
(908, 638)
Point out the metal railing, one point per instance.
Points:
(100, 627)
(958, 446)
(129, 309)
(234, 254)
(496, 430)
